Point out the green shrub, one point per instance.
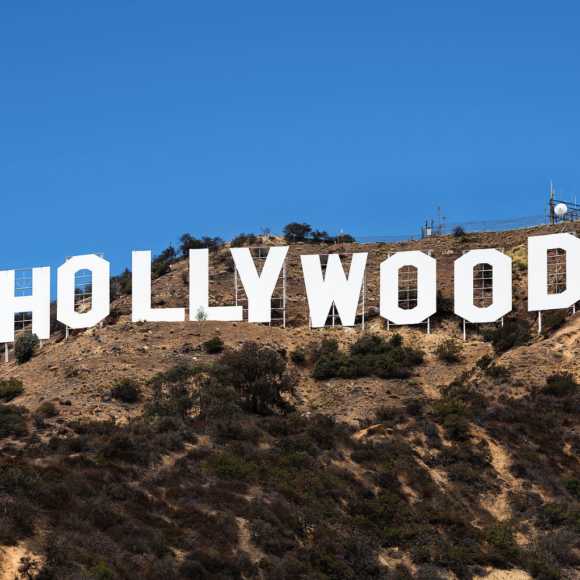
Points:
(11, 389)
(259, 376)
(231, 466)
(554, 320)
(214, 345)
(512, 334)
(484, 361)
(126, 390)
(47, 409)
(180, 391)
(298, 357)
(370, 355)
(453, 415)
(560, 384)
(449, 350)
(12, 421)
(497, 371)
(572, 485)
(25, 347)
(500, 536)
(101, 572)
(159, 269)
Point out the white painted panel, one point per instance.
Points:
(38, 304)
(426, 288)
(141, 286)
(199, 290)
(501, 281)
(333, 287)
(538, 297)
(259, 287)
(100, 299)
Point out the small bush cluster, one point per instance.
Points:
(512, 334)
(10, 389)
(253, 378)
(560, 385)
(497, 371)
(449, 350)
(370, 355)
(12, 421)
(25, 347)
(214, 345)
(126, 390)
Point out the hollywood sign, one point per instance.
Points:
(322, 290)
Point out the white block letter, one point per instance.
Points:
(501, 285)
(334, 287)
(538, 297)
(259, 287)
(426, 288)
(142, 294)
(199, 288)
(38, 304)
(100, 291)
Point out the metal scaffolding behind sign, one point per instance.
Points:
(278, 302)
(408, 289)
(333, 318)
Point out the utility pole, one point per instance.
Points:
(551, 203)
(438, 219)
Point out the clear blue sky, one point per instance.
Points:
(126, 124)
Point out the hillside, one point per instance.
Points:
(437, 469)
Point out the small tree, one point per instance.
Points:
(294, 231)
(25, 347)
(449, 350)
(181, 390)
(319, 236)
(458, 232)
(259, 376)
(200, 316)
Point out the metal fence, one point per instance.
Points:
(499, 225)
(467, 227)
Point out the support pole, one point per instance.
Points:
(364, 292)
(41, 343)
(539, 322)
(464, 329)
(428, 325)
(66, 333)
(6, 352)
(284, 294)
(236, 283)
